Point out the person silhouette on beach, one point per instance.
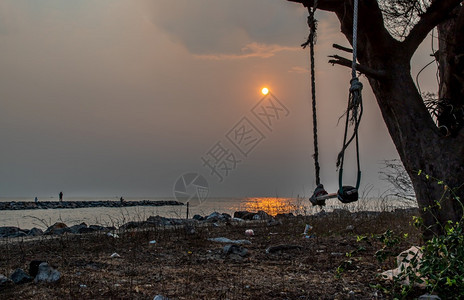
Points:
(61, 196)
(36, 199)
(121, 199)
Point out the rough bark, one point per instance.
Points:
(418, 140)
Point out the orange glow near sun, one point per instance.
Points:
(265, 91)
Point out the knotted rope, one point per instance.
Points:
(312, 24)
(355, 108)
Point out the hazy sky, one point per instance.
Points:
(121, 97)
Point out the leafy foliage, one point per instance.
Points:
(441, 268)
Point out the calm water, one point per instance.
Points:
(40, 218)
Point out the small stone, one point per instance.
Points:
(229, 241)
(429, 297)
(34, 267)
(249, 232)
(5, 282)
(349, 228)
(115, 255)
(113, 235)
(189, 229)
(160, 297)
(235, 249)
(47, 273)
(280, 248)
(274, 222)
(19, 277)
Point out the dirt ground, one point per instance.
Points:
(337, 262)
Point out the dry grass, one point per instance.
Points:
(188, 266)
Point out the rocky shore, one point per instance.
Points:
(22, 205)
(214, 219)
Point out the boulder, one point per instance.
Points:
(57, 228)
(263, 215)
(287, 215)
(7, 231)
(226, 216)
(18, 234)
(159, 221)
(198, 218)
(133, 224)
(78, 228)
(19, 277)
(47, 274)
(35, 232)
(244, 215)
(215, 217)
(97, 228)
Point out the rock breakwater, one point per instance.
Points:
(21, 205)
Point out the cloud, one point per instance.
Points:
(252, 50)
(208, 27)
(298, 70)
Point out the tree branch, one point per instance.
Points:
(436, 13)
(340, 47)
(328, 5)
(377, 74)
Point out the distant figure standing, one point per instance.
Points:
(36, 199)
(121, 199)
(61, 196)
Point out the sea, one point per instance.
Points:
(105, 216)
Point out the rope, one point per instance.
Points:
(312, 24)
(355, 39)
(355, 108)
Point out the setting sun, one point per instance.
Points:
(265, 91)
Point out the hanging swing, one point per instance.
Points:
(345, 193)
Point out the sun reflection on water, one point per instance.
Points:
(271, 205)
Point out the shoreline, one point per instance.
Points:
(27, 205)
